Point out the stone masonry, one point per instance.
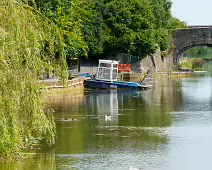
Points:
(182, 40)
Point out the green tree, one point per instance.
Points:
(199, 52)
(136, 27)
(81, 24)
(176, 23)
(29, 44)
(129, 27)
(69, 16)
(94, 33)
(162, 13)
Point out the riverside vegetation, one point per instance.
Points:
(39, 35)
(28, 45)
(191, 63)
(195, 57)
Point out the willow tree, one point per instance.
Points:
(29, 44)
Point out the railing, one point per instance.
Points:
(59, 84)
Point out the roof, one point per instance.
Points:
(109, 61)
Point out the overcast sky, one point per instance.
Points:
(193, 12)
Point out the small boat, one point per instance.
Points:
(107, 78)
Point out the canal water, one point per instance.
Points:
(165, 128)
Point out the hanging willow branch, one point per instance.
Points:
(29, 45)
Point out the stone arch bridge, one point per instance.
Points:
(186, 38)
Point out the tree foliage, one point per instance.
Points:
(136, 27)
(128, 29)
(199, 52)
(29, 44)
(69, 16)
(94, 33)
(175, 23)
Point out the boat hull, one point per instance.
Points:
(93, 83)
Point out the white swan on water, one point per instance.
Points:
(133, 168)
(107, 118)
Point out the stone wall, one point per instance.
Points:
(153, 63)
(156, 63)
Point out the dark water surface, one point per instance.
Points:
(165, 128)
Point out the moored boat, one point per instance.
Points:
(107, 78)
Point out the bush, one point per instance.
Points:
(197, 62)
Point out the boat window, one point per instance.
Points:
(104, 73)
(115, 65)
(114, 76)
(105, 65)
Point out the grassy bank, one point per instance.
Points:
(48, 92)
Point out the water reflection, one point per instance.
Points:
(104, 104)
(129, 120)
(137, 127)
(145, 131)
(132, 108)
(33, 161)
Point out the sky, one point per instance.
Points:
(193, 12)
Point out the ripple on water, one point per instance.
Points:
(191, 118)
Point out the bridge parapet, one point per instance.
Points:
(199, 26)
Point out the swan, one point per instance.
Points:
(107, 118)
(133, 168)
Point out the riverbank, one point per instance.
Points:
(173, 74)
(61, 91)
(54, 87)
(55, 83)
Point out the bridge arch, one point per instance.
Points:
(184, 39)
